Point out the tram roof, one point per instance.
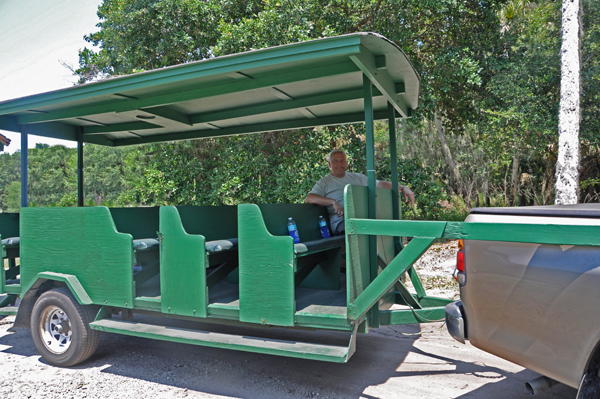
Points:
(306, 84)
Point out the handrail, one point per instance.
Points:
(557, 234)
(425, 232)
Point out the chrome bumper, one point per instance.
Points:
(456, 322)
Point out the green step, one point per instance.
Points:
(9, 310)
(14, 289)
(329, 353)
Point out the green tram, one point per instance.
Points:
(82, 270)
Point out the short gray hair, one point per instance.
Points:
(336, 151)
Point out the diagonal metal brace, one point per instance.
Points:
(388, 277)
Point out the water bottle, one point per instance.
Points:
(323, 227)
(293, 231)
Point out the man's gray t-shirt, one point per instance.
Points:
(333, 187)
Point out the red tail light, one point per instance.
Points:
(460, 261)
(459, 273)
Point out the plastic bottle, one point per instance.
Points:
(324, 228)
(293, 230)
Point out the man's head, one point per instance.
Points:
(338, 162)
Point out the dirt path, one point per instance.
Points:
(387, 364)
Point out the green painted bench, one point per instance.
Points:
(306, 217)
(199, 249)
(142, 224)
(272, 266)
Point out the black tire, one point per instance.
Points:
(589, 388)
(60, 328)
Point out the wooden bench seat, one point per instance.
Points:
(272, 266)
(11, 242)
(318, 245)
(150, 244)
(212, 247)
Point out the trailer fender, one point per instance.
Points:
(43, 282)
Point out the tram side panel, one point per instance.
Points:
(79, 242)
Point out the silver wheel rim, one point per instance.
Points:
(55, 329)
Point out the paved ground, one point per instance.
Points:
(387, 364)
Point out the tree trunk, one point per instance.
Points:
(450, 161)
(486, 188)
(514, 178)
(567, 164)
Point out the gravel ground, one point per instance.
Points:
(435, 269)
(411, 361)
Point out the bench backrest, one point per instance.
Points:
(140, 222)
(356, 201)
(306, 217)
(9, 225)
(213, 222)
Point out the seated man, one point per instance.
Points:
(329, 190)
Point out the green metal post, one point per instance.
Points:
(370, 144)
(394, 166)
(79, 167)
(24, 166)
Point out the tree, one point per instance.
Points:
(12, 197)
(138, 35)
(520, 108)
(567, 164)
(10, 171)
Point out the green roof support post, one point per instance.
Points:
(396, 215)
(370, 144)
(24, 166)
(79, 166)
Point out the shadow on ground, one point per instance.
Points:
(387, 364)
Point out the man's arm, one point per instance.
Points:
(324, 201)
(408, 194)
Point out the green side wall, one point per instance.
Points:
(83, 242)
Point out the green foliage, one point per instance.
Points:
(137, 35)
(429, 194)
(51, 174)
(267, 168)
(590, 73)
(10, 171)
(589, 183)
(110, 176)
(11, 199)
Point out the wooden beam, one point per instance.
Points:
(277, 106)
(168, 116)
(118, 127)
(396, 214)
(9, 123)
(258, 128)
(400, 88)
(365, 60)
(380, 62)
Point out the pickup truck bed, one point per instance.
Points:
(537, 305)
